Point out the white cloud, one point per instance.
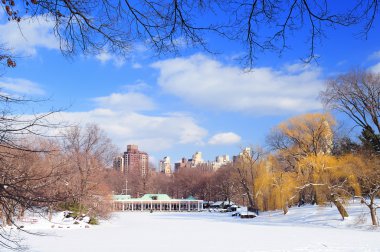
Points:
(375, 55)
(138, 86)
(105, 57)
(20, 86)
(126, 102)
(297, 67)
(151, 133)
(118, 115)
(26, 36)
(375, 68)
(209, 84)
(225, 138)
(136, 66)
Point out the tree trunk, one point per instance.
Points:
(50, 213)
(3, 218)
(9, 219)
(285, 208)
(21, 213)
(373, 216)
(340, 207)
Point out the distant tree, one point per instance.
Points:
(345, 145)
(357, 94)
(162, 183)
(370, 140)
(88, 152)
(116, 181)
(225, 184)
(246, 169)
(368, 175)
(94, 26)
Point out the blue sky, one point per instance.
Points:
(174, 105)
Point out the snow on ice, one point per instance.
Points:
(307, 228)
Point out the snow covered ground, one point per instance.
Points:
(307, 228)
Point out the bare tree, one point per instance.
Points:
(357, 94)
(368, 175)
(93, 26)
(88, 152)
(246, 168)
(26, 175)
(29, 181)
(225, 184)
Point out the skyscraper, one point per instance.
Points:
(165, 166)
(132, 160)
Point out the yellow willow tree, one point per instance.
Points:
(331, 178)
(300, 137)
(274, 187)
(304, 145)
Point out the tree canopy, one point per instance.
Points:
(115, 25)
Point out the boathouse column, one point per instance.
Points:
(179, 206)
(132, 206)
(142, 205)
(188, 206)
(160, 205)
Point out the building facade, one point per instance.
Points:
(184, 163)
(165, 166)
(132, 160)
(220, 161)
(118, 163)
(155, 202)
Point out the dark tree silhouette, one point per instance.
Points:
(165, 25)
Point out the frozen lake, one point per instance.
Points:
(307, 228)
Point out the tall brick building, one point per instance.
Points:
(133, 160)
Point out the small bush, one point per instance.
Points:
(93, 221)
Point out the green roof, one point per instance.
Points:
(121, 197)
(155, 197)
(191, 198)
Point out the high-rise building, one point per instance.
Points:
(245, 154)
(118, 163)
(220, 161)
(197, 159)
(184, 163)
(165, 166)
(132, 160)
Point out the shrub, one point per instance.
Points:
(93, 221)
